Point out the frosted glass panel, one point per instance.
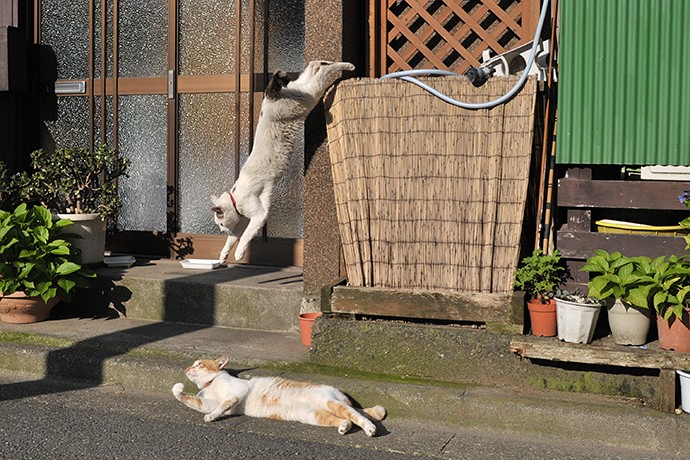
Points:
(207, 37)
(285, 38)
(286, 219)
(206, 156)
(65, 28)
(143, 40)
(142, 137)
(71, 127)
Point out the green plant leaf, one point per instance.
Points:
(67, 268)
(66, 284)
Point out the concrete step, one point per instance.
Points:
(238, 296)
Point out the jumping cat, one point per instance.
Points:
(285, 106)
(272, 397)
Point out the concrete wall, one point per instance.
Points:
(334, 31)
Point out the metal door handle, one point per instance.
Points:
(171, 84)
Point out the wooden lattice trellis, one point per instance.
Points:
(445, 34)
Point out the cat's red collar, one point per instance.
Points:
(234, 203)
(208, 384)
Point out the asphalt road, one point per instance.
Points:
(56, 420)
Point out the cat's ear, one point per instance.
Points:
(217, 210)
(222, 361)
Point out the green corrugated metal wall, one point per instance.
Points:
(624, 82)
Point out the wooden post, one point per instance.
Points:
(667, 390)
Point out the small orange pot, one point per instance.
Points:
(543, 317)
(18, 308)
(674, 334)
(306, 321)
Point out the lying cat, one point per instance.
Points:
(272, 397)
(285, 106)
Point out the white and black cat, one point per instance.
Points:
(285, 106)
(272, 397)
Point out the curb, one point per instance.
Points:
(588, 419)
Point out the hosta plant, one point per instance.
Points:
(615, 275)
(35, 258)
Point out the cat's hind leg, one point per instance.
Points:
(279, 80)
(344, 411)
(326, 418)
(376, 413)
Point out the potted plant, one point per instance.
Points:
(539, 275)
(615, 276)
(81, 185)
(577, 316)
(37, 266)
(665, 286)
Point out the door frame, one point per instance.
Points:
(172, 243)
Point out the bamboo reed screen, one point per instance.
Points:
(428, 195)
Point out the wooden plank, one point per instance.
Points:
(452, 306)
(658, 195)
(667, 390)
(581, 245)
(552, 349)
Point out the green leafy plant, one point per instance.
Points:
(77, 180)
(664, 284)
(616, 275)
(540, 274)
(34, 258)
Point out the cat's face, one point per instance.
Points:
(204, 369)
(224, 213)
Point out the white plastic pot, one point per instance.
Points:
(684, 390)
(91, 228)
(576, 321)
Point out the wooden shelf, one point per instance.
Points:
(606, 353)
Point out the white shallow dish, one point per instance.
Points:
(200, 264)
(119, 261)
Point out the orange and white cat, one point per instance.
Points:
(272, 397)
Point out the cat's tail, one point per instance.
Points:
(376, 413)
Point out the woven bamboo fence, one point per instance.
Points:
(428, 195)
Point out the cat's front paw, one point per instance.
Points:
(178, 389)
(349, 67)
(239, 254)
(209, 417)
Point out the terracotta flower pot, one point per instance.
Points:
(543, 317)
(17, 308)
(674, 334)
(306, 321)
